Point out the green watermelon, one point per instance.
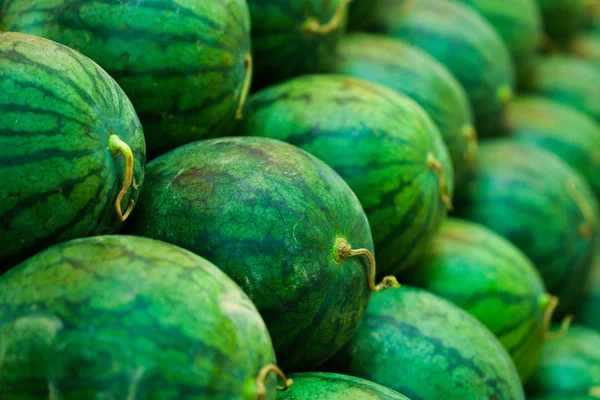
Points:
(294, 37)
(563, 19)
(587, 46)
(330, 386)
(281, 224)
(519, 24)
(570, 81)
(426, 348)
(563, 130)
(487, 276)
(535, 200)
(588, 312)
(72, 149)
(381, 142)
(370, 14)
(413, 72)
(469, 47)
(185, 64)
(121, 317)
(569, 367)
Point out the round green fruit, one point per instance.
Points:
(72, 150)
(122, 317)
(381, 142)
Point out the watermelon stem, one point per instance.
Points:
(595, 392)
(116, 147)
(246, 87)
(345, 251)
(435, 166)
(470, 135)
(566, 323)
(261, 389)
(313, 27)
(588, 227)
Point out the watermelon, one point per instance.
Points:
(535, 200)
(122, 317)
(487, 276)
(563, 19)
(588, 312)
(72, 150)
(185, 64)
(413, 72)
(370, 14)
(570, 81)
(330, 386)
(519, 24)
(291, 37)
(569, 367)
(587, 46)
(381, 142)
(563, 130)
(426, 348)
(468, 46)
(281, 224)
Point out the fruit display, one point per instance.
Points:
(300, 200)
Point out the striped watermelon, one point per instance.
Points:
(426, 348)
(72, 150)
(535, 200)
(587, 46)
(469, 47)
(280, 223)
(487, 276)
(570, 81)
(185, 64)
(563, 130)
(519, 24)
(121, 317)
(413, 72)
(381, 142)
(369, 14)
(330, 386)
(588, 311)
(294, 37)
(569, 368)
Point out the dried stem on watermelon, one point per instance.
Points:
(116, 147)
(470, 135)
(261, 389)
(588, 227)
(344, 251)
(313, 27)
(435, 166)
(552, 303)
(246, 87)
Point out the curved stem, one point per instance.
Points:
(345, 251)
(116, 146)
(314, 27)
(261, 389)
(566, 323)
(594, 391)
(588, 227)
(435, 166)
(470, 135)
(246, 87)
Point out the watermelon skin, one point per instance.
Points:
(282, 46)
(413, 72)
(270, 215)
(587, 46)
(540, 204)
(426, 348)
(185, 75)
(368, 15)
(570, 81)
(490, 278)
(378, 141)
(519, 24)
(126, 317)
(562, 130)
(60, 179)
(562, 20)
(587, 313)
(570, 366)
(469, 47)
(330, 386)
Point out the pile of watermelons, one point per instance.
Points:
(305, 159)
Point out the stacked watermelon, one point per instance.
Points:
(376, 199)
